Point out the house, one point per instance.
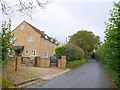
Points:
(31, 42)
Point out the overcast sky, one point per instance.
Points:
(63, 18)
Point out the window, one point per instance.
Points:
(22, 27)
(45, 54)
(12, 39)
(33, 53)
(30, 39)
(26, 52)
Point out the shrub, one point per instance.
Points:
(106, 56)
(83, 61)
(75, 63)
(71, 51)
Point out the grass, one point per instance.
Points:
(7, 84)
(75, 63)
(0, 82)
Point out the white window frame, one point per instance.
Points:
(30, 38)
(26, 52)
(13, 39)
(33, 53)
(45, 54)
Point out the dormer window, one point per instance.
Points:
(22, 27)
(46, 37)
(51, 40)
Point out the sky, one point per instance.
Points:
(63, 18)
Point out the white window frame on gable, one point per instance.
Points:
(45, 54)
(13, 39)
(22, 27)
(26, 52)
(33, 53)
(30, 39)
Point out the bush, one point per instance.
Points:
(71, 51)
(75, 63)
(107, 56)
(83, 61)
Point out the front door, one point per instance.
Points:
(18, 52)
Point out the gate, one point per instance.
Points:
(53, 62)
(29, 61)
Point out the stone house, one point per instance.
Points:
(31, 42)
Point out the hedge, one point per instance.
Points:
(71, 51)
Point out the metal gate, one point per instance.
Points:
(53, 62)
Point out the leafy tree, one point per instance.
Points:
(113, 39)
(85, 40)
(109, 52)
(5, 43)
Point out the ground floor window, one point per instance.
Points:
(26, 52)
(33, 53)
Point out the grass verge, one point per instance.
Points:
(7, 84)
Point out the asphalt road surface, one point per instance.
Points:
(89, 75)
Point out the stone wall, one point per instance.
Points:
(14, 64)
(44, 62)
(62, 62)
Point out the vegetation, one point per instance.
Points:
(109, 52)
(7, 84)
(75, 63)
(71, 51)
(5, 37)
(85, 40)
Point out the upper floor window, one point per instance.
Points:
(12, 39)
(30, 39)
(22, 27)
(45, 54)
(33, 53)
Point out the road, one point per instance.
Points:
(89, 75)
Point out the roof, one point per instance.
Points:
(18, 47)
(42, 34)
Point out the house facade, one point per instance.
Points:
(31, 42)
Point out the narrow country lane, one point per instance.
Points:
(89, 75)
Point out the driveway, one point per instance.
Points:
(89, 75)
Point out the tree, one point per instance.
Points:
(26, 7)
(113, 36)
(85, 40)
(5, 43)
(109, 52)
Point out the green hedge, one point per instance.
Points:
(71, 51)
(108, 57)
(75, 63)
